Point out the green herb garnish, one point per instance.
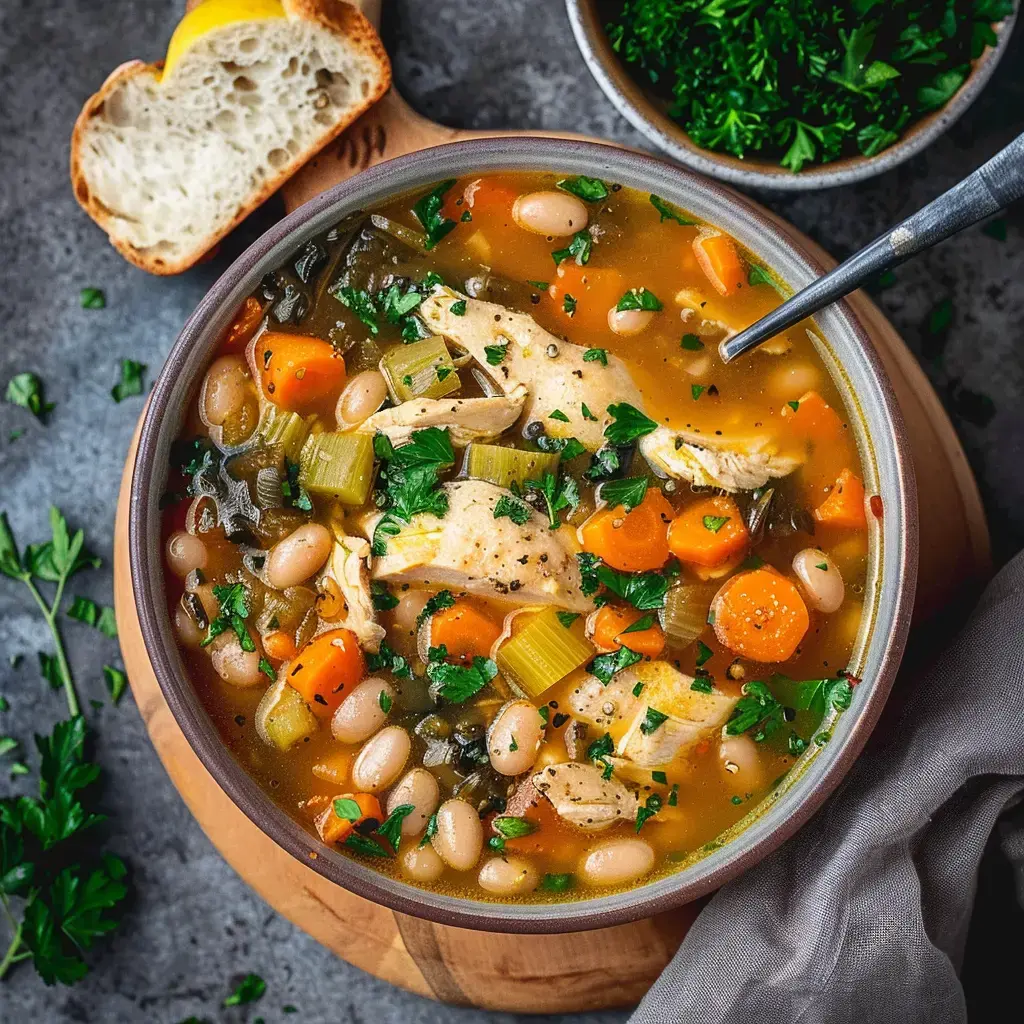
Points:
(628, 492)
(639, 298)
(512, 508)
(579, 248)
(130, 383)
(428, 212)
(596, 355)
(26, 390)
(590, 190)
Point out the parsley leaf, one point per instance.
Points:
(759, 275)
(568, 447)
(567, 619)
(458, 308)
(361, 303)
(579, 248)
(666, 211)
(629, 424)
(496, 353)
(130, 383)
(116, 682)
(391, 827)
(590, 190)
(92, 298)
(26, 390)
(639, 298)
(650, 808)
(512, 508)
(596, 355)
(249, 989)
(84, 609)
(514, 828)
(604, 666)
(381, 596)
(714, 523)
(653, 721)
(691, 343)
(628, 492)
(757, 709)
(557, 883)
(457, 683)
(559, 492)
(436, 603)
(644, 591)
(428, 212)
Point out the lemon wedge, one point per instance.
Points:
(213, 14)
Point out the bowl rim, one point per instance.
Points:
(190, 355)
(630, 98)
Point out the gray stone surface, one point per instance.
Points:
(192, 927)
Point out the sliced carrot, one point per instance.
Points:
(465, 630)
(279, 645)
(706, 573)
(243, 327)
(333, 829)
(708, 532)
(717, 256)
(634, 541)
(483, 197)
(326, 668)
(813, 418)
(845, 505)
(298, 372)
(590, 294)
(611, 623)
(760, 615)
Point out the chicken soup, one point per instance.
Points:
(484, 564)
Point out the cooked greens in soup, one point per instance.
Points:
(487, 567)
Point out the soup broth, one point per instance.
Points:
(487, 567)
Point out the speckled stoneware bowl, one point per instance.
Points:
(874, 418)
(646, 112)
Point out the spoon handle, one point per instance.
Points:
(990, 188)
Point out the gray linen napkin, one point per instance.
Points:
(863, 915)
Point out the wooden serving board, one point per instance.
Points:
(532, 973)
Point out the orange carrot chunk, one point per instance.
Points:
(326, 669)
(243, 327)
(278, 645)
(584, 295)
(634, 541)
(334, 829)
(813, 418)
(298, 372)
(610, 627)
(465, 630)
(483, 197)
(760, 615)
(708, 532)
(845, 505)
(717, 256)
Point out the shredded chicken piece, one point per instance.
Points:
(582, 797)
(349, 567)
(467, 419)
(554, 371)
(469, 550)
(729, 464)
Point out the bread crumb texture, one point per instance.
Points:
(169, 165)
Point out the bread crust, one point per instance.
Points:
(333, 15)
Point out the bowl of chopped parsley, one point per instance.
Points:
(792, 94)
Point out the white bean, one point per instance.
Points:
(792, 380)
(408, 610)
(188, 631)
(741, 760)
(550, 213)
(419, 788)
(628, 322)
(364, 394)
(362, 712)
(421, 863)
(237, 667)
(822, 582)
(225, 388)
(301, 554)
(381, 760)
(616, 862)
(460, 836)
(508, 876)
(514, 737)
(185, 553)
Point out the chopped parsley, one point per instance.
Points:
(436, 603)
(559, 492)
(26, 390)
(605, 666)
(666, 211)
(691, 343)
(641, 624)
(818, 695)
(361, 303)
(660, 777)
(568, 447)
(756, 710)
(557, 883)
(702, 683)
(84, 609)
(759, 275)
(567, 618)
(704, 654)
(590, 190)
(510, 827)
(639, 298)
(596, 355)
(381, 596)
(587, 414)
(696, 390)
(92, 298)
(579, 249)
(558, 415)
(427, 211)
(458, 308)
(512, 508)
(715, 523)
(116, 682)
(629, 424)
(457, 683)
(249, 989)
(650, 808)
(644, 591)
(569, 304)
(628, 492)
(131, 383)
(234, 610)
(385, 701)
(653, 721)
(496, 354)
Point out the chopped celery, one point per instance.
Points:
(283, 718)
(423, 369)
(543, 652)
(287, 429)
(505, 466)
(685, 615)
(338, 466)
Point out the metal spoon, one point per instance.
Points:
(989, 189)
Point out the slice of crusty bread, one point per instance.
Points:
(168, 167)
